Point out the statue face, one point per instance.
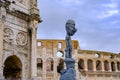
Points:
(70, 27)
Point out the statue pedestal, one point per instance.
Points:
(69, 73)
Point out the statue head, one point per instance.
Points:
(70, 27)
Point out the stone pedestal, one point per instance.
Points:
(69, 73)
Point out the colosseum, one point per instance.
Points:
(90, 65)
(24, 57)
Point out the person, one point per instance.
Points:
(70, 31)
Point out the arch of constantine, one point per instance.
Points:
(23, 57)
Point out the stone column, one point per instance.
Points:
(102, 62)
(44, 63)
(110, 67)
(1, 48)
(2, 20)
(116, 69)
(85, 64)
(55, 70)
(33, 26)
(77, 71)
(55, 64)
(94, 65)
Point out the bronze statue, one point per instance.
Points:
(69, 73)
(70, 31)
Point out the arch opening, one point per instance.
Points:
(113, 66)
(49, 64)
(118, 66)
(90, 64)
(81, 64)
(98, 65)
(106, 65)
(12, 68)
(39, 66)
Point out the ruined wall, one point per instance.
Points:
(90, 65)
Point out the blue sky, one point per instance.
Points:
(97, 22)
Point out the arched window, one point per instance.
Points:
(112, 66)
(98, 65)
(106, 65)
(60, 65)
(97, 55)
(90, 64)
(60, 54)
(49, 64)
(81, 64)
(39, 64)
(118, 66)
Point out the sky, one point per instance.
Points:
(97, 22)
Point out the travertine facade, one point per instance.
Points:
(23, 57)
(90, 65)
(18, 25)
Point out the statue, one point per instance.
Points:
(69, 73)
(70, 31)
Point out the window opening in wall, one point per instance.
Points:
(111, 56)
(81, 64)
(49, 65)
(39, 44)
(106, 65)
(59, 54)
(98, 65)
(90, 64)
(60, 65)
(113, 66)
(118, 66)
(59, 45)
(97, 55)
(39, 64)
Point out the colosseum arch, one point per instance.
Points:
(118, 66)
(49, 64)
(81, 64)
(98, 65)
(60, 65)
(39, 66)
(90, 64)
(113, 66)
(106, 65)
(12, 68)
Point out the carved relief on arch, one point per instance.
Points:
(21, 38)
(8, 35)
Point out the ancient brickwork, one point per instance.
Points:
(18, 27)
(90, 65)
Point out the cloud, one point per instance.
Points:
(108, 13)
(97, 22)
(70, 2)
